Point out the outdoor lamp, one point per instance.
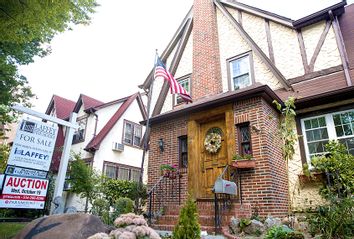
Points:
(161, 144)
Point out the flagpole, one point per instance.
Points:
(147, 132)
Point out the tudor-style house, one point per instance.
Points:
(109, 136)
(235, 60)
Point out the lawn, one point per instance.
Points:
(10, 229)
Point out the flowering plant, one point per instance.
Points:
(212, 142)
(168, 167)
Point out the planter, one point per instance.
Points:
(313, 178)
(244, 163)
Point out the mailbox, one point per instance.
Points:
(224, 186)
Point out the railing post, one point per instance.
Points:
(150, 204)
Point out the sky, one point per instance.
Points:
(108, 59)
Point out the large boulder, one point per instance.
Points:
(64, 226)
(270, 222)
(255, 228)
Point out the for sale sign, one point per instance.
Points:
(20, 192)
(34, 144)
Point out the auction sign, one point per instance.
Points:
(20, 192)
(34, 145)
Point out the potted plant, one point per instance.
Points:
(169, 171)
(243, 161)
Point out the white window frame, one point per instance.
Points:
(230, 71)
(134, 127)
(176, 96)
(332, 135)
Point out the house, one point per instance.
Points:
(109, 136)
(235, 60)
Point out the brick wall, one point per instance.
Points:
(206, 78)
(169, 131)
(264, 187)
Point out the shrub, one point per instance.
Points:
(336, 218)
(187, 225)
(114, 189)
(278, 232)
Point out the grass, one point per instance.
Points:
(10, 229)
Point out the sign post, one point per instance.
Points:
(27, 154)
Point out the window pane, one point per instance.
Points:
(137, 135)
(241, 81)
(128, 133)
(314, 123)
(322, 122)
(307, 124)
(123, 173)
(240, 66)
(343, 123)
(347, 129)
(309, 136)
(110, 171)
(349, 144)
(183, 152)
(245, 134)
(135, 175)
(317, 147)
(336, 119)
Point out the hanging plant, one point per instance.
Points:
(212, 142)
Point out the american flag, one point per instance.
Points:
(176, 88)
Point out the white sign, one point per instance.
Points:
(20, 192)
(34, 145)
(25, 172)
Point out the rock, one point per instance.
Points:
(270, 222)
(235, 225)
(100, 235)
(255, 228)
(301, 226)
(78, 226)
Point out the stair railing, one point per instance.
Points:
(165, 192)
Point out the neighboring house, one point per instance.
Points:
(235, 60)
(109, 137)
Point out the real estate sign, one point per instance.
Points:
(21, 192)
(34, 145)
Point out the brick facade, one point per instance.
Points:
(264, 188)
(206, 77)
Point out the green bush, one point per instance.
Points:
(336, 218)
(187, 226)
(114, 189)
(278, 232)
(122, 206)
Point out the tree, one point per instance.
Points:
(83, 179)
(26, 30)
(187, 226)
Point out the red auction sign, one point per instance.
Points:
(21, 192)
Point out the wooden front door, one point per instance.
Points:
(212, 164)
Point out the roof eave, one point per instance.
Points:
(325, 98)
(264, 91)
(336, 9)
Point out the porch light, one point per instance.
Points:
(161, 145)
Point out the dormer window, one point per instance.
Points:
(240, 71)
(79, 135)
(185, 83)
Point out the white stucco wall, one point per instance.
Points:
(131, 155)
(286, 50)
(302, 196)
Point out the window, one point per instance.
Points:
(244, 138)
(79, 135)
(121, 172)
(132, 133)
(319, 130)
(240, 72)
(185, 83)
(183, 151)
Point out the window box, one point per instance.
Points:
(312, 178)
(244, 163)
